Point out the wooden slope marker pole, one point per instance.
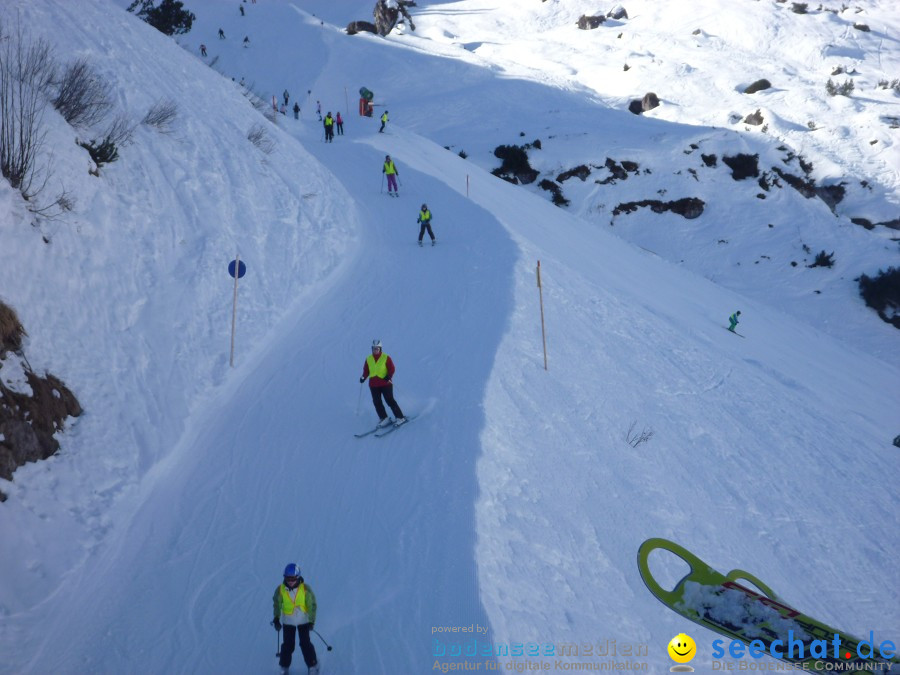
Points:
(541, 296)
(236, 273)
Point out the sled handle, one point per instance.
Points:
(696, 565)
(735, 575)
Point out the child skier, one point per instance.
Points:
(733, 320)
(425, 220)
(295, 611)
(392, 174)
(380, 370)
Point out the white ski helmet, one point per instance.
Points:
(376, 344)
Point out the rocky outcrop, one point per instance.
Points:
(688, 207)
(754, 118)
(650, 101)
(590, 22)
(32, 407)
(388, 13)
(355, 27)
(759, 85)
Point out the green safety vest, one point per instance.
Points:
(425, 216)
(389, 168)
(288, 605)
(377, 368)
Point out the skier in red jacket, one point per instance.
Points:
(380, 370)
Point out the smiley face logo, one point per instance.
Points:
(682, 648)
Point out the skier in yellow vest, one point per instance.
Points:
(295, 611)
(380, 369)
(425, 220)
(390, 170)
(384, 119)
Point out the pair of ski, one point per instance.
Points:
(381, 432)
(718, 602)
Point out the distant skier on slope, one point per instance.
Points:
(294, 606)
(390, 170)
(329, 127)
(296, 110)
(733, 320)
(384, 120)
(425, 220)
(340, 124)
(379, 368)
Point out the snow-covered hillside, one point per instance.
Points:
(153, 540)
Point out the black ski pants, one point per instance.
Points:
(422, 230)
(388, 393)
(306, 646)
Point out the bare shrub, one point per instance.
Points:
(120, 131)
(634, 439)
(161, 115)
(260, 138)
(82, 95)
(26, 69)
(63, 203)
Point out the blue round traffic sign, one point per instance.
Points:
(242, 268)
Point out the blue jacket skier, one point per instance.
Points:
(733, 320)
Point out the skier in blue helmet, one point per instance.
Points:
(294, 606)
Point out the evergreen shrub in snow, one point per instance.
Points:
(834, 89)
(169, 17)
(103, 152)
(823, 259)
(515, 163)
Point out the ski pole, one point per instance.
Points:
(382, 183)
(322, 639)
(359, 398)
(277, 641)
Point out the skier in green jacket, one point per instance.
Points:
(733, 320)
(294, 606)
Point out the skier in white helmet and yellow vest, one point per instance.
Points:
(295, 611)
(380, 370)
